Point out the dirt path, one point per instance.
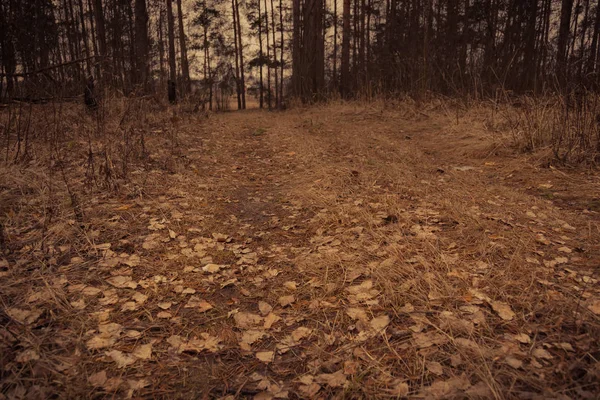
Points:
(341, 252)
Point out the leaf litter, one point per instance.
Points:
(354, 271)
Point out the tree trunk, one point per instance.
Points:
(161, 46)
(241, 50)
(101, 35)
(296, 46)
(185, 69)
(141, 43)
(260, 55)
(268, 56)
(274, 54)
(84, 34)
(281, 58)
(237, 56)
(591, 65)
(335, 26)
(172, 62)
(345, 78)
(563, 41)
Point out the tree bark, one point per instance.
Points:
(563, 41)
(101, 36)
(185, 69)
(237, 56)
(268, 55)
(172, 62)
(241, 50)
(345, 67)
(141, 43)
(260, 55)
(274, 54)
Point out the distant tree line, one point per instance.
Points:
(311, 49)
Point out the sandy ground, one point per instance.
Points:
(343, 251)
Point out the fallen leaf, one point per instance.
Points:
(211, 268)
(337, 379)
(249, 337)
(513, 362)
(122, 359)
(270, 320)
(449, 388)
(122, 282)
(286, 300)
(98, 379)
(378, 324)
(196, 302)
(246, 320)
(541, 353)
(138, 384)
(503, 310)
(434, 367)
(264, 308)
(265, 356)
(24, 316)
(357, 314)
(594, 307)
(143, 352)
(27, 355)
(290, 285)
(300, 333)
(165, 305)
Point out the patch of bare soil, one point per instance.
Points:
(348, 251)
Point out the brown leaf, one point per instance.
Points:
(503, 310)
(357, 314)
(270, 320)
(265, 356)
(246, 320)
(285, 301)
(264, 308)
(143, 352)
(513, 362)
(122, 359)
(337, 379)
(378, 324)
(98, 379)
(434, 367)
(122, 282)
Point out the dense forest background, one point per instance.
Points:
(312, 49)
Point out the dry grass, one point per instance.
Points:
(482, 285)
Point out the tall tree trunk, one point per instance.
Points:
(335, 29)
(141, 43)
(296, 47)
(101, 35)
(345, 67)
(237, 56)
(530, 59)
(185, 69)
(361, 49)
(161, 46)
(582, 36)
(172, 62)
(268, 55)
(281, 58)
(563, 41)
(84, 35)
(260, 55)
(591, 64)
(133, 63)
(241, 50)
(274, 54)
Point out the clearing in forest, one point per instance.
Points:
(345, 251)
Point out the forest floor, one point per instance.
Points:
(344, 251)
